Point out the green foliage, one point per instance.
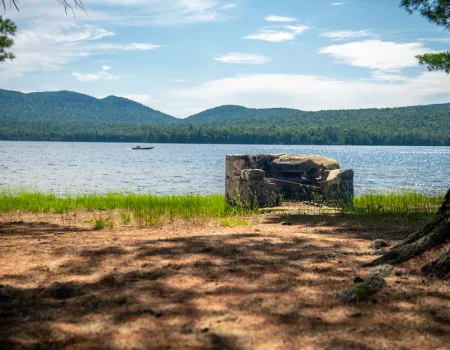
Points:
(145, 209)
(436, 11)
(417, 125)
(232, 223)
(65, 110)
(7, 30)
(189, 206)
(126, 218)
(98, 225)
(397, 203)
(436, 61)
(69, 116)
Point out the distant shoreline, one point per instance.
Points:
(69, 116)
(222, 143)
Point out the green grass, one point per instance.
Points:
(397, 213)
(126, 218)
(98, 225)
(396, 203)
(145, 208)
(232, 223)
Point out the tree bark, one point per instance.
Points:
(433, 234)
(439, 268)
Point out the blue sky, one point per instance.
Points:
(184, 56)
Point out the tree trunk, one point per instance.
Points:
(439, 268)
(433, 234)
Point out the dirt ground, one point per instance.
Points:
(272, 284)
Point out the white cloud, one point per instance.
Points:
(140, 98)
(168, 12)
(48, 46)
(138, 12)
(439, 40)
(382, 76)
(229, 6)
(285, 33)
(340, 3)
(272, 36)
(297, 29)
(48, 40)
(102, 75)
(310, 92)
(69, 35)
(348, 34)
(376, 54)
(126, 47)
(243, 58)
(45, 46)
(280, 19)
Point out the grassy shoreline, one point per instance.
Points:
(189, 206)
(145, 208)
(397, 203)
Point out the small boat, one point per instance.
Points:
(142, 148)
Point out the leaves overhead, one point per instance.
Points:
(437, 12)
(7, 30)
(436, 61)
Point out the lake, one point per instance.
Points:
(68, 167)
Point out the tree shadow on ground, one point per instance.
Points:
(367, 227)
(222, 291)
(34, 229)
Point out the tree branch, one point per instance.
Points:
(7, 29)
(436, 11)
(436, 61)
(68, 5)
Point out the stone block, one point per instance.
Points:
(339, 186)
(300, 177)
(252, 174)
(302, 163)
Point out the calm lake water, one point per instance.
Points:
(66, 167)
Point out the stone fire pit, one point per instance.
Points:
(262, 179)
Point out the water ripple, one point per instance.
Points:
(174, 168)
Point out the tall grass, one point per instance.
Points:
(149, 209)
(145, 208)
(396, 203)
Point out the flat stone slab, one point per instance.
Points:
(303, 163)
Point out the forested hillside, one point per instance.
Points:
(71, 109)
(76, 117)
(230, 113)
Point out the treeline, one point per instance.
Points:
(69, 116)
(229, 135)
(292, 136)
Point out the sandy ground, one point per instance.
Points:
(270, 285)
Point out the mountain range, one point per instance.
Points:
(66, 115)
(67, 106)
